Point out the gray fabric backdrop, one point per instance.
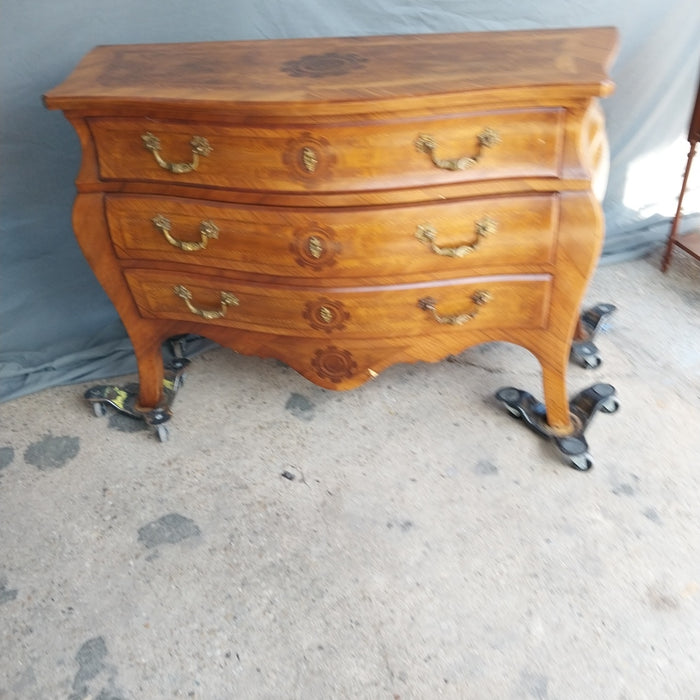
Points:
(56, 324)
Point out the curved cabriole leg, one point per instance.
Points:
(150, 365)
(556, 399)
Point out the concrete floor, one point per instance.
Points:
(422, 544)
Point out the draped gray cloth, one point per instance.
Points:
(57, 325)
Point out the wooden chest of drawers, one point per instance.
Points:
(345, 204)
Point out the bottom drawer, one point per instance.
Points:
(516, 301)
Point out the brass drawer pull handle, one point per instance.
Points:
(478, 299)
(486, 139)
(227, 299)
(482, 228)
(207, 229)
(200, 147)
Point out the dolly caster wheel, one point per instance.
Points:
(583, 350)
(522, 405)
(611, 405)
(156, 420)
(594, 318)
(573, 448)
(574, 451)
(586, 354)
(125, 399)
(581, 462)
(174, 375)
(179, 382)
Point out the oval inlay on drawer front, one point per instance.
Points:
(347, 158)
(508, 230)
(364, 312)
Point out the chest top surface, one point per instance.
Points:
(338, 74)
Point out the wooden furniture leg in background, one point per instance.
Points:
(690, 243)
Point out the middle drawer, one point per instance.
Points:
(352, 242)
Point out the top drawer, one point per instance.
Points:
(332, 158)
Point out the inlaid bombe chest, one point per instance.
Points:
(345, 204)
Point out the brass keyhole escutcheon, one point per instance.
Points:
(315, 247)
(309, 159)
(326, 315)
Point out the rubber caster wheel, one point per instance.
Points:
(162, 433)
(514, 412)
(510, 398)
(581, 463)
(592, 362)
(521, 405)
(179, 382)
(99, 409)
(585, 354)
(610, 406)
(574, 450)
